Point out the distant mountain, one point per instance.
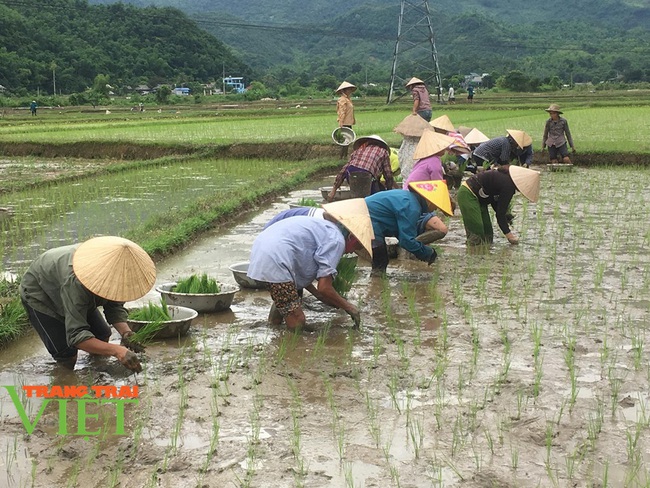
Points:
(578, 40)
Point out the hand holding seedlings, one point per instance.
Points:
(129, 360)
(130, 344)
(355, 315)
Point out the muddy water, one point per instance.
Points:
(508, 366)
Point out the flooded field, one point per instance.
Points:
(71, 211)
(514, 366)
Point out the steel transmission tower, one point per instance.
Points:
(414, 33)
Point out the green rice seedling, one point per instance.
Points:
(416, 435)
(308, 202)
(196, 284)
(393, 388)
(539, 373)
(489, 440)
(346, 274)
(374, 425)
(514, 458)
(349, 476)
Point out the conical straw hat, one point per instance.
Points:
(521, 138)
(414, 81)
(373, 137)
(353, 215)
(435, 192)
(527, 181)
(432, 143)
(443, 123)
(475, 136)
(463, 130)
(114, 268)
(345, 85)
(412, 126)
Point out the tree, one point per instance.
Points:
(162, 94)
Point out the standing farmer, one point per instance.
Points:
(421, 101)
(345, 109)
(33, 107)
(555, 130)
(63, 287)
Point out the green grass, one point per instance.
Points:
(597, 126)
(13, 321)
(197, 284)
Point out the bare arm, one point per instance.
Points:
(101, 348)
(329, 296)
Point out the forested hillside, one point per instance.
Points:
(69, 43)
(315, 40)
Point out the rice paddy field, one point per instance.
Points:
(510, 366)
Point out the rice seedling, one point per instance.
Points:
(197, 284)
(308, 202)
(346, 274)
(374, 424)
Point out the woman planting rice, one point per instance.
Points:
(63, 287)
(494, 187)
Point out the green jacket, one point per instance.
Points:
(50, 286)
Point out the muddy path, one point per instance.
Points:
(510, 366)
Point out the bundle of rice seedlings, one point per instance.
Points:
(198, 285)
(308, 202)
(346, 274)
(155, 316)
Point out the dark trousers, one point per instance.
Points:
(379, 255)
(52, 331)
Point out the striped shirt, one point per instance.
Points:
(371, 158)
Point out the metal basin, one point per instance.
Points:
(239, 271)
(178, 325)
(343, 193)
(201, 302)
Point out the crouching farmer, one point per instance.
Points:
(63, 287)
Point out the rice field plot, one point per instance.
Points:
(122, 202)
(511, 366)
(595, 129)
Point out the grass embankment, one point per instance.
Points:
(13, 317)
(167, 232)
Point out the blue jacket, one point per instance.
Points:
(395, 213)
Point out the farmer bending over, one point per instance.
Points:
(63, 287)
(293, 252)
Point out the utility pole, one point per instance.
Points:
(53, 66)
(415, 34)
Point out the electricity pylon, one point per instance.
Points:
(415, 33)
